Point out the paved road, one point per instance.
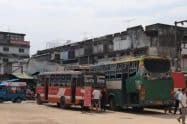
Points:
(30, 113)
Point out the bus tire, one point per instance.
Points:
(1, 100)
(138, 109)
(13, 100)
(38, 100)
(58, 104)
(18, 100)
(62, 103)
(112, 104)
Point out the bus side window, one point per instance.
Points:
(11, 90)
(107, 76)
(2, 89)
(112, 77)
(20, 90)
(42, 84)
(79, 82)
(118, 76)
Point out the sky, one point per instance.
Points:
(49, 22)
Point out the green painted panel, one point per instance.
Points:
(130, 83)
(158, 89)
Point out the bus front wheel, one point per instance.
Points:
(1, 100)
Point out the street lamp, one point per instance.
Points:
(178, 45)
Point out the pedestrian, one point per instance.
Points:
(182, 106)
(96, 98)
(103, 99)
(176, 96)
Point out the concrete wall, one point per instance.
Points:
(42, 66)
(15, 50)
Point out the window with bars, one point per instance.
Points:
(6, 49)
(21, 50)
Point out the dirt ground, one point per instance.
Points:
(30, 113)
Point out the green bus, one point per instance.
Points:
(138, 82)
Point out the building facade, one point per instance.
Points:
(13, 48)
(156, 39)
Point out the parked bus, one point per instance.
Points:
(12, 91)
(67, 87)
(138, 82)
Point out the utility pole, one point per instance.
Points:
(178, 45)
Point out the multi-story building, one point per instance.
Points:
(156, 39)
(13, 48)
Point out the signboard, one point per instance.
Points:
(87, 96)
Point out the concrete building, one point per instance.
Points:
(13, 48)
(156, 39)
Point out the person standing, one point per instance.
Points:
(177, 101)
(103, 99)
(96, 98)
(182, 106)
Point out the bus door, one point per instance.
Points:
(73, 89)
(46, 88)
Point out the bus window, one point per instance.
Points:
(107, 77)
(112, 77)
(118, 76)
(88, 80)
(20, 90)
(40, 81)
(101, 81)
(2, 89)
(11, 90)
(157, 65)
(80, 81)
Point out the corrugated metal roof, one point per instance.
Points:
(22, 76)
(61, 72)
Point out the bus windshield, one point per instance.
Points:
(157, 65)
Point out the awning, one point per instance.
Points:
(22, 76)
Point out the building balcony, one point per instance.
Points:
(19, 42)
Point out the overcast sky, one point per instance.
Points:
(51, 20)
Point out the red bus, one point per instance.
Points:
(67, 88)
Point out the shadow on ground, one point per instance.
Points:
(157, 113)
(78, 109)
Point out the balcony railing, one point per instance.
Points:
(17, 42)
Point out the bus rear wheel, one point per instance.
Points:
(18, 100)
(138, 109)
